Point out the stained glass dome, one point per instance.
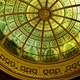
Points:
(40, 31)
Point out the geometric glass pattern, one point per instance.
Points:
(45, 31)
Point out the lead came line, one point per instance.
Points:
(18, 13)
(42, 37)
(29, 4)
(29, 37)
(55, 39)
(71, 6)
(54, 4)
(66, 31)
(4, 39)
(66, 17)
(46, 5)
(39, 3)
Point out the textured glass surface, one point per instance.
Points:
(40, 30)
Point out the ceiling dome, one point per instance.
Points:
(41, 31)
(40, 39)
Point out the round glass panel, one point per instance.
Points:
(42, 31)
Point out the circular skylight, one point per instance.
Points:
(40, 30)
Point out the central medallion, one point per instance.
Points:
(44, 14)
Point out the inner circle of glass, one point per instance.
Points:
(40, 30)
(44, 14)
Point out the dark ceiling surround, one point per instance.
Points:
(4, 76)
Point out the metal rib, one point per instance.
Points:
(29, 4)
(29, 37)
(46, 5)
(61, 55)
(39, 3)
(66, 31)
(17, 28)
(66, 17)
(66, 7)
(42, 37)
(18, 13)
(54, 3)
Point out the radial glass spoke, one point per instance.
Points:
(66, 31)
(54, 3)
(66, 17)
(76, 5)
(19, 13)
(29, 4)
(42, 37)
(17, 28)
(46, 5)
(29, 36)
(55, 38)
(39, 3)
